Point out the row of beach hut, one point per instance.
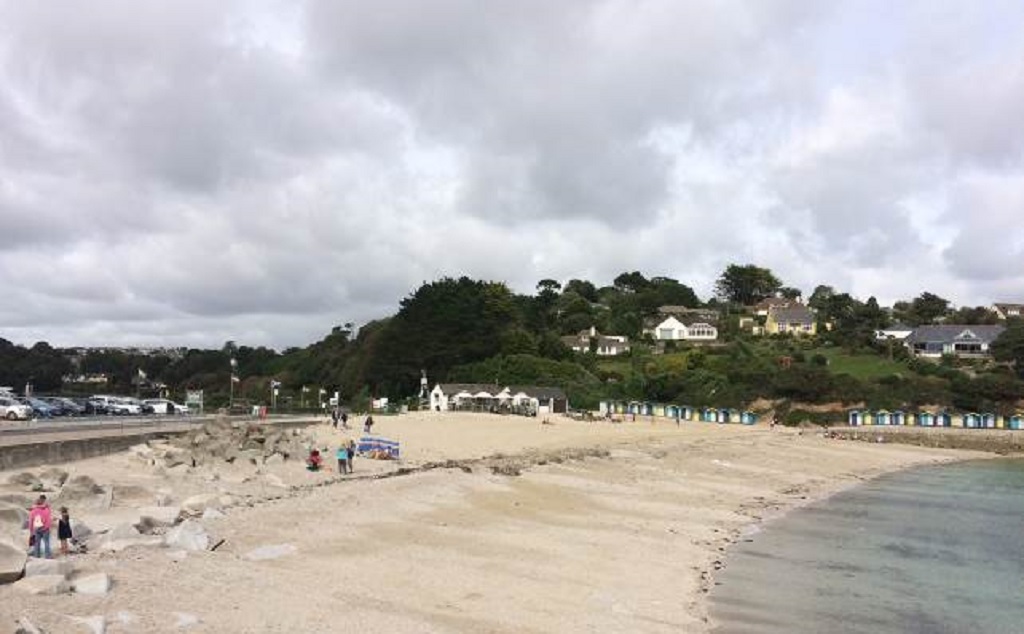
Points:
(970, 420)
(678, 412)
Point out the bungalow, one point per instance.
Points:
(1008, 311)
(960, 341)
(603, 345)
(671, 329)
(489, 397)
(796, 320)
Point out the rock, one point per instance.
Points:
(53, 478)
(122, 537)
(48, 567)
(43, 585)
(212, 514)
(12, 562)
(196, 504)
(151, 517)
(27, 627)
(96, 624)
(130, 495)
(19, 500)
(79, 529)
(94, 584)
(13, 517)
(270, 552)
(189, 535)
(274, 459)
(26, 481)
(80, 487)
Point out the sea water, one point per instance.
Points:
(936, 550)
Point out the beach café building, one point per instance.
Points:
(488, 397)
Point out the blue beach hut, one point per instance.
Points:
(709, 415)
(855, 418)
(672, 411)
(926, 419)
(988, 420)
(972, 420)
(899, 418)
(687, 413)
(882, 417)
(725, 415)
(748, 418)
(943, 420)
(1015, 421)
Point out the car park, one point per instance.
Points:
(117, 406)
(94, 406)
(11, 409)
(71, 408)
(160, 405)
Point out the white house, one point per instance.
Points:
(604, 345)
(672, 329)
(490, 397)
(1007, 311)
(955, 340)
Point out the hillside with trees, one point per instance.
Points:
(481, 331)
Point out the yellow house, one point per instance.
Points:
(795, 320)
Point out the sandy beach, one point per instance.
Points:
(607, 528)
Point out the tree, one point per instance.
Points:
(790, 293)
(1009, 347)
(926, 308)
(747, 284)
(631, 282)
(583, 288)
(819, 298)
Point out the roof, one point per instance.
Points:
(896, 327)
(1004, 307)
(533, 391)
(472, 388)
(795, 315)
(948, 333)
(538, 392)
(775, 302)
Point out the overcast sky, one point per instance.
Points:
(189, 172)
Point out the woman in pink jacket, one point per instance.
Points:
(39, 523)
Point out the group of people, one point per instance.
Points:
(339, 420)
(345, 455)
(40, 524)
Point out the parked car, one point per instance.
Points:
(60, 406)
(40, 408)
(160, 406)
(94, 406)
(71, 408)
(117, 405)
(11, 409)
(144, 407)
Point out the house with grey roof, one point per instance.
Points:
(603, 345)
(956, 340)
(1008, 311)
(492, 397)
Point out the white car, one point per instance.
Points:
(11, 409)
(119, 406)
(160, 406)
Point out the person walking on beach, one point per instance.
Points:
(40, 522)
(368, 425)
(334, 418)
(351, 455)
(344, 420)
(342, 456)
(64, 530)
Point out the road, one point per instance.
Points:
(54, 430)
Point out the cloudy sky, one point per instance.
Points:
(188, 172)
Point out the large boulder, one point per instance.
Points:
(80, 487)
(12, 562)
(94, 584)
(154, 517)
(189, 535)
(196, 504)
(53, 478)
(26, 481)
(121, 538)
(48, 567)
(130, 495)
(12, 517)
(43, 585)
(26, 626)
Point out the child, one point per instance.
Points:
(64, 530)
(342, 456)
(314, 460)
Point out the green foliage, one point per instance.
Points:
(1009, 347)
(747, 284)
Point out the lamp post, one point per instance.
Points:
(231, 386)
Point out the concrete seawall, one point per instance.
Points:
(39, 450)
(1000, 441)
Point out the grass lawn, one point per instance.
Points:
(861, 366)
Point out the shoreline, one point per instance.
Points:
(489, 539)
